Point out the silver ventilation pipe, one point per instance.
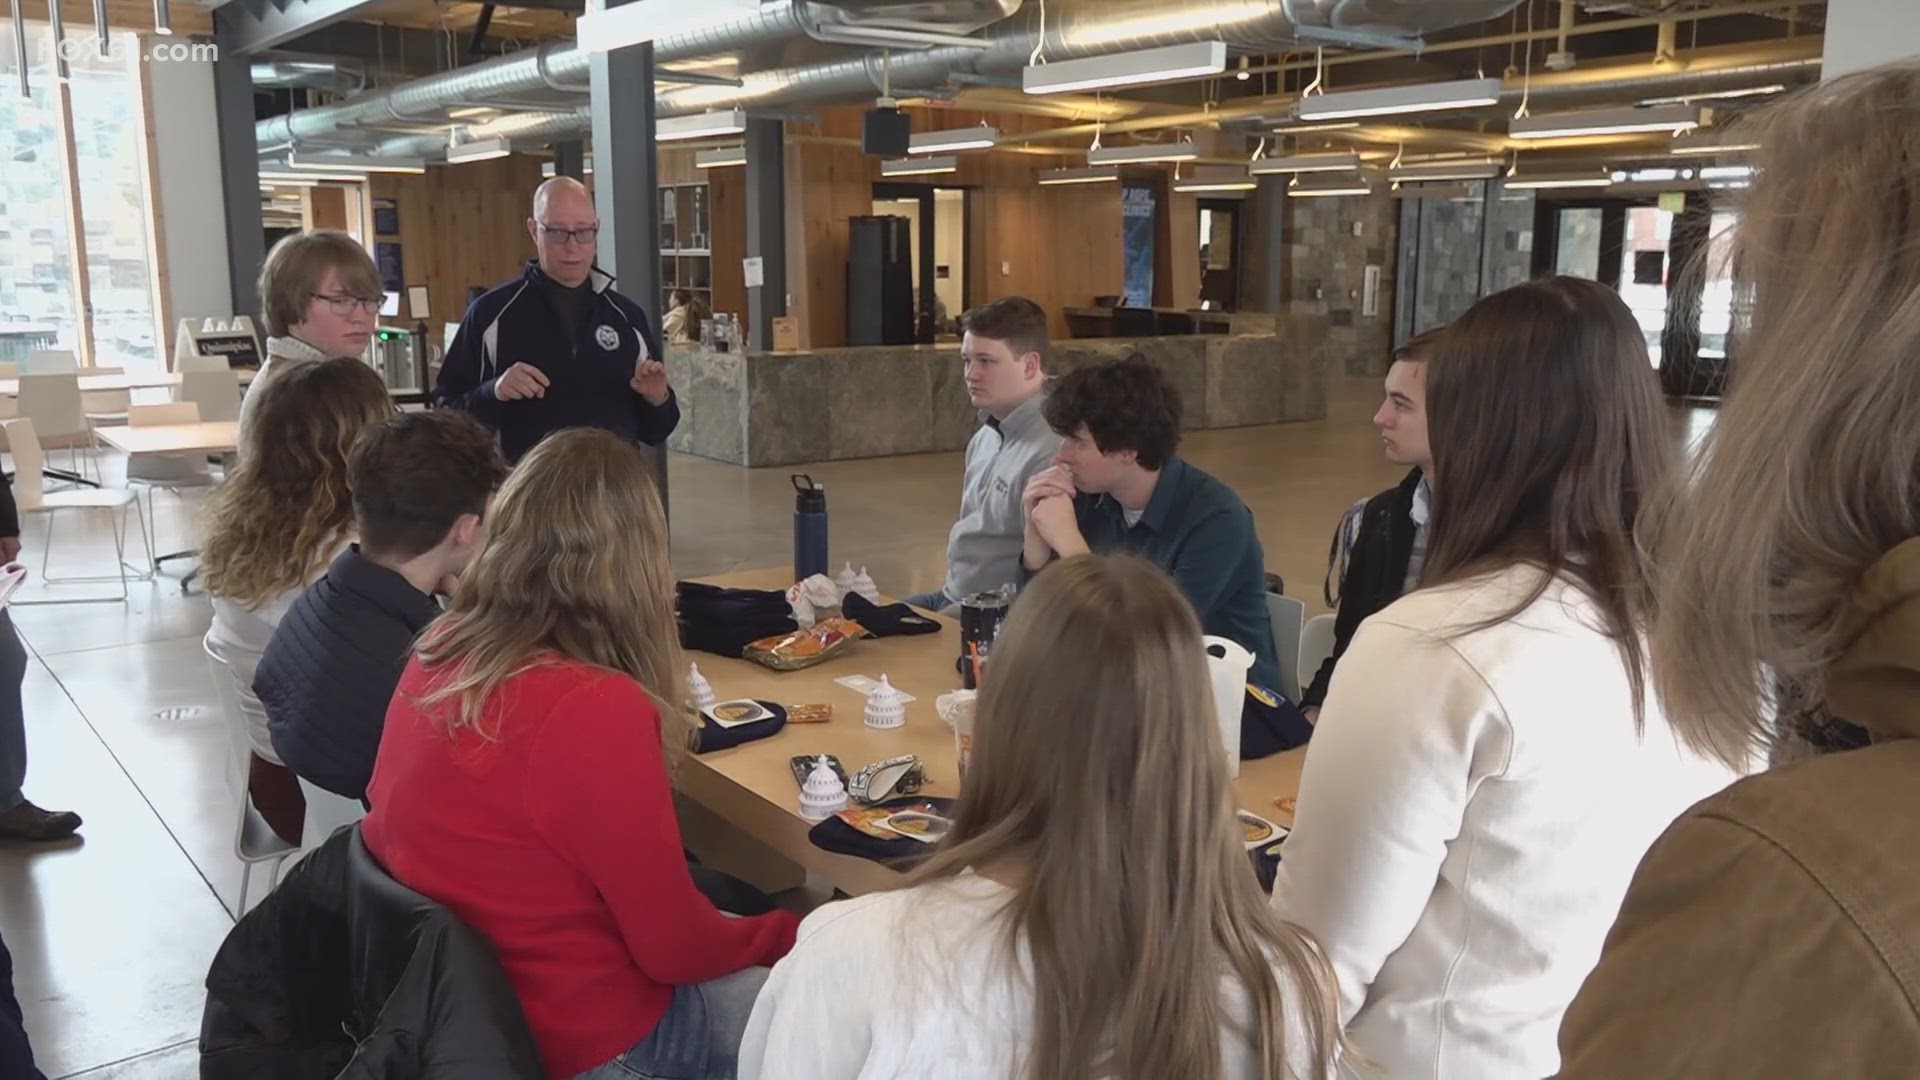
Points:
(342, 76)
(1074, 29)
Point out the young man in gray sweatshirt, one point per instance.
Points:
(1003, 354)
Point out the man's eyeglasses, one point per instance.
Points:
(343, 305)
(588, 235)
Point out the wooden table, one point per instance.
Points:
(206, 437)
(740, 807)
(144, 381)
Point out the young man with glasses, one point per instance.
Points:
(320, 295)
(559, 348)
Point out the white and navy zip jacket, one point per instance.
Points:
(588, 386)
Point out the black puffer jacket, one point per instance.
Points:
(329, 672)
(1375, 575)
(344, 973)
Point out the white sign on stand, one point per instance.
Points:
(232, 341)
(755, 268)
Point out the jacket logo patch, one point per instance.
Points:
(607, 336)
(1001, 486)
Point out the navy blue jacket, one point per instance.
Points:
(329, 671)
(588, 385)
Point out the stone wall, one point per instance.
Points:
(1326, 274)
(1450, 240)
(785, 408)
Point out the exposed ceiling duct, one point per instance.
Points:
(340, 76)
(1074, 28)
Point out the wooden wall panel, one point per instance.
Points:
(1183, 251)
(727, 207)
(462, 225)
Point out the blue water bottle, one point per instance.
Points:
(809, 527)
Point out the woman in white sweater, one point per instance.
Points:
(1092, 913)
(1489, 768)
(280, 518)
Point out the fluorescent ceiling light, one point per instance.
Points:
(1356, 186)
(1559, 180)
(1707, 144)
(1339, 161)
(1192, 18)
(1167, 64)
(637, 21)
(947, 142)
(1670, 118)
(724, 157)
(1465, 169)
(1727, 172)
(281, 175)
(700, 125)
(1054, 177)
(926, 166)
(1307, 129)
(1394, 100)
(1143, 154)
(353, 164)
(1432, 191)
(1719, 95)
(1217, 180)
(269, 185)
(478, 150)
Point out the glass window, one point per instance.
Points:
(109, 127)
(1644, 271)
(1577, 254)
(37, 309)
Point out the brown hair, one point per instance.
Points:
(1812, 472)
(415, 474)
(1099, 782)
(575, 565)
(1015, 321)
(285, 508)
(1126, 404)
(1548, 432)
(293, 270)
(1418, 348)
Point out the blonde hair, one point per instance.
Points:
(285, 508)
(574, 565)
(296, 266)
(1098, 773)
(1812, 472)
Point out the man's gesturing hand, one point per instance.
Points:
(520, 381)
(650, 381)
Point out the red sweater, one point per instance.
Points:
(559, 843)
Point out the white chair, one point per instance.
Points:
(169, 472)
(326, 812)
(196, 362)
(54, 405)
(9, 369)
(1316, 644)
(31, 498)
(52, 362)
(216, 392)
(254, 841)
(1287, 614)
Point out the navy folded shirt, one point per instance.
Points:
(843, 839)
(711, 736)
(890, 620)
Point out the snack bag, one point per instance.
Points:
(871, 820)
(805, 648)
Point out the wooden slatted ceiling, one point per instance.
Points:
(187, 18)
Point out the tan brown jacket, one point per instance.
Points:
(1773, 933)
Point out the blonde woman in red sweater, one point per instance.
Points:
(523, 778)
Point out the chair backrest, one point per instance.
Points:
(9, 369)
(217, 393)
(53, 403)
(196, 362)
(29, 464)
(9, 407)
(103, 371)
(173, 412)
(51, 362)
(1287, 613)
(96, 402)
(326, 812)
(1316, 643)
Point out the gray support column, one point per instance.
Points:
(570, 159)
(239, 171)
(1867, 33)
(1271, 200)
(626, 187)
(766, 226)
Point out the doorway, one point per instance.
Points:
(1626, 244)
(938, 220)
(1220, 253)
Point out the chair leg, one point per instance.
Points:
(246, 875)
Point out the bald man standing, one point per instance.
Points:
(557, 347)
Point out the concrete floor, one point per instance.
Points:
(112, 933)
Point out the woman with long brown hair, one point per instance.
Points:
(523, 777)
(1091, 914)
(1486, 771)
(1770, 934)
(280, 518)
